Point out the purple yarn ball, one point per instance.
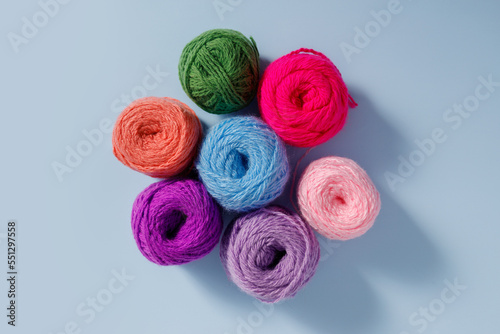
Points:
(175, 222)
(269, 253)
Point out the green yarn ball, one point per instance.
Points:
(219, 70)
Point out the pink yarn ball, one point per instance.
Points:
(337, 198)
(303, 98)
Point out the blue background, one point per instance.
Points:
(440, 225)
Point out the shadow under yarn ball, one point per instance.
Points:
(219, 70)
(269, 253)
(243, 164)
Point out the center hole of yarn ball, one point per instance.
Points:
(147, 130)
(336, 196)
(237, 164)
(173, 223)
(338, 200)
(269, 257)
(146, 133)
(298, 96)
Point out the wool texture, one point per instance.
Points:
(175, 221)
(303, 98)
(269, 253)
(219, 70)
(157, 136)
(243, 163)
(337, 198)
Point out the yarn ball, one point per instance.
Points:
(175, 222)
(157, 136)
(303, 98)
(243, 163)
(337, 198)
(219, 70)
(269, 253)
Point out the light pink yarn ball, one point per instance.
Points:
(337, 198)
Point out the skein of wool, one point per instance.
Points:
(303, 98)
(175, 222)
(157, 136)
(219, 70)
(243, 163)
(269, 253)
(337, 198)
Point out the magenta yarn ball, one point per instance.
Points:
(303, 97)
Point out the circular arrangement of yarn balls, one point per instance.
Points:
(270, 253)
(337, 198)
(243, 163)
(157, 136)
(303, 98)
(219, 70)
(175, 222)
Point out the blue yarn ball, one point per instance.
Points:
(243, 163)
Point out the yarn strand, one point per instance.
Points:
(294, 178)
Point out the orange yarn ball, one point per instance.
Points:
(157, 136)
